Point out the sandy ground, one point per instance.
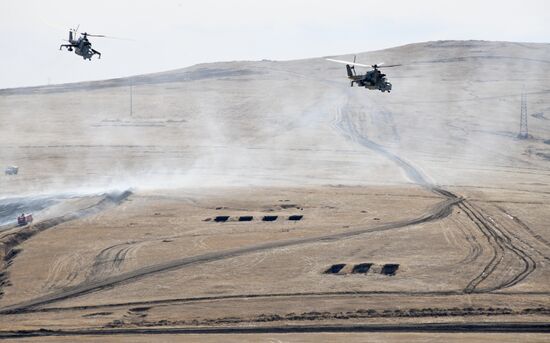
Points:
(429, 179)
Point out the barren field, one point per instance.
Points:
(268, 201)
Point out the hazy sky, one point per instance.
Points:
(170, 34)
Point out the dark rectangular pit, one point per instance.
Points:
(335, 268)
(245, 218)
(389, 269)
(269, 218)
(221, 219)
(361, 268)
(296, 217)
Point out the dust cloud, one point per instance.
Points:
(453, 114)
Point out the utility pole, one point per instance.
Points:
(523, 130)
(131, 99)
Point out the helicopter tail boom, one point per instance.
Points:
(349, 70)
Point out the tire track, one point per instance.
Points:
(344, 124)
(524, 226)
(64, 271)
(437, 212)
(111, 259)
(476, 250)
(503, 246)
(299, 295)
(11, 241)
(497, 250)
(499, 241)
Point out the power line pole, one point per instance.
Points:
(131, 99)
(523, 130)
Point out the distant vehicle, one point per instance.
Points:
(24, 219)
(81, 45)
(372, 79)
(11, 170)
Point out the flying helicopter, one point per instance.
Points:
(81, 45)
(372, 79)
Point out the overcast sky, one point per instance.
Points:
(170, 34)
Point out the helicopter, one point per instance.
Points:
(81, 45)
(372, 79)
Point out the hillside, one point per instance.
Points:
(454, 112)
(256, 198)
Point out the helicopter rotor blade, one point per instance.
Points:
(347, 62)
(108, 37)
(119, 38)
(379, 65)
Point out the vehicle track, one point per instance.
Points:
(500, 242)
(475, 251)
(11, 241)
(344, 123)
(524, 226)
(110, 259)
(502, 245)
(302, 295)
(497, 250)
(64, 271)
(438, 211)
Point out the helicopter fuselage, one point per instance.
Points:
(372, 79)
(81, 46)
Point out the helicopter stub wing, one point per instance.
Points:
(97, 53)
(68, 46)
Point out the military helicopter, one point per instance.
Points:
(372, 79)
(82, 45)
